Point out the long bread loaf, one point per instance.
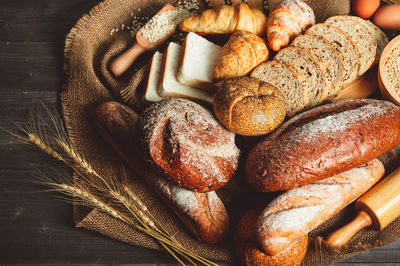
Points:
(323, 142)
(293, 214)
(203, 213)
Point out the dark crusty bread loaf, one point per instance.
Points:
(322, 142)
(184, 141)
(203, 213)
(292, 215)
(248, 249)
(248, 106)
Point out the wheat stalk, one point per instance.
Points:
(391, 1)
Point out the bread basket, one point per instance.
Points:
(387, 89)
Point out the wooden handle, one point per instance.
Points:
(341, 236)
(126, 59)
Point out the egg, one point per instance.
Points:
(365, 8)
(388, 17)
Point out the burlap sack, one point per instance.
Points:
(88, 51)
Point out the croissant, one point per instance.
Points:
(288, 19)
(243, 52)
(225, 20)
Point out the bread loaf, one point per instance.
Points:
(248, 106)
(292, 215)
(322, 142)
(203, 213)
(183, 141)
(247, 247)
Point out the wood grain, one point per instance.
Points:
(34, 227)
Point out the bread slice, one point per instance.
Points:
(380, 37)
(309, 67)
(153, 79)
(326, 53)
(197, 62)
(362, 38)
(287, 81)
(343, 44)
(169, 84)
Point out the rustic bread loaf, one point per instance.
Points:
(343, 44)
(322, 142)
(292, 215)
(287, 81)
(204, 214)
(324, 52)
(362, 38)
(247, 247)
(184, 141)
(311, 68)
(248, 106)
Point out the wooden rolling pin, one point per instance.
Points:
(378, 207)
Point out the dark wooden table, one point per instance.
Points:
(35, 228)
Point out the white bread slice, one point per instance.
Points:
(153, 79)
(169, 84)
(197, 62)
(325, 52)
(362, 38)
(309, 67)
(343, 44)
(287, 81)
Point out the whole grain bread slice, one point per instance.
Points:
(311, 68)
(343, 44)
(287, 81)
(326, 53)
(362, 38)
(380, 37)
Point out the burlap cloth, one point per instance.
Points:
(88, 51)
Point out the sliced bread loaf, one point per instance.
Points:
(170, 86)
(343, 44)
(197, 62)
(326, 53)
(287, 81)
(309, 67)
(362, 38)
(380, 37)
(153, 79)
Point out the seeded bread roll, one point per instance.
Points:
(248, 249)
(362, 38)
(183, 141)
(343, 44)
(326, 53)
(311, 68)
(248, 106)
(287, 81)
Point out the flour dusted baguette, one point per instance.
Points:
(203, 213)
(292, 215)
(322, 142)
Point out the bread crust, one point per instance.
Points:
(322, 142)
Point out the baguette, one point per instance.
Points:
(323, 142)
(203, 213)
(295, 213)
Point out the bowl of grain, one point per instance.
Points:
(389, 71)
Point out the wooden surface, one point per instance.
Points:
(34, 227)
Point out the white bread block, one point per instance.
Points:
(153, 79)
(197, 62)
(169, 84)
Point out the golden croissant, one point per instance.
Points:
(243, 52)
(288, 19)
(225, 20)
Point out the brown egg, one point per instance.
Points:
(388, 17)
(365, 8)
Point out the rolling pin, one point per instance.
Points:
(378, 207)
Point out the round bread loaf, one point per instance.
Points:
(248, 106)
(250, 254)
(185, 142)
